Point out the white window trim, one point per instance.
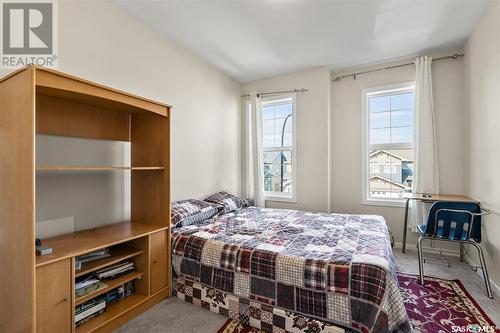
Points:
(278, 196)
(365, 119)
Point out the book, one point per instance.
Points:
(90, 288)
(114, 270)
(96, 255)
(125, 272)
(87, 305)
(90, 309)
(86, 319)
(87, 281)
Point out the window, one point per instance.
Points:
(388, 143)
(278, 118)
(374, 168)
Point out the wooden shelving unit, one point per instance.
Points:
(38, 292)
(113, 311)
(78, 243)
(111, 284)
(117, 253)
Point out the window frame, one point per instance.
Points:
(279, 196)
(385, 90)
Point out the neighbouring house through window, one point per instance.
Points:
(280, 163)
(388, 143)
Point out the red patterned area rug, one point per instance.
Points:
(441, 306)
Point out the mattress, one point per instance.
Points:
(334, 267)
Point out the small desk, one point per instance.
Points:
(432, 198)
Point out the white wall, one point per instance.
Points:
(347, 156)
(100, 42)
(482, 91)
(312, 134)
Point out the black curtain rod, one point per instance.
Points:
(278, 92)
(354, 75)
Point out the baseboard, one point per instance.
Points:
(494, 287)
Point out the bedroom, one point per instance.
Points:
(179, 123)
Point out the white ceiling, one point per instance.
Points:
(250, 40)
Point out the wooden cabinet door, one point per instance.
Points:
(159, 262)
(53, 297)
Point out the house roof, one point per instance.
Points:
(398, 156)
(377, 177)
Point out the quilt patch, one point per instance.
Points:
(267, 318)
(333, 267)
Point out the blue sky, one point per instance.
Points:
(391, 118)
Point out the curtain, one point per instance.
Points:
(255, 158)
(418, 213)
(426, 175)
(426, 178)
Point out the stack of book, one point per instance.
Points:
(115, 271)
(89, 284)
(96, 255)
(90, 309)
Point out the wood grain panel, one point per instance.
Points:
(17, 202)
(53, 298)
(440, 197)
(61, 85)
(150, 192)
(119, 313)
(159, 263)
(62, 117)
(82, 242)
(142, 263)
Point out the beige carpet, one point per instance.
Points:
(173, 315)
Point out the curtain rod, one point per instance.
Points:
(354, 75)
(278, 92)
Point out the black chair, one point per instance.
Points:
(453, 221)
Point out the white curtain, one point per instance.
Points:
(255, 159)
(418, 212)
(426, 175)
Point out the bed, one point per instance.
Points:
(292, 270)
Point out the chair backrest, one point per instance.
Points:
(454, 225)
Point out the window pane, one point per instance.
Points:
(278, 171)
(268, 112)
(380, 119)
(390, 173)
(283, 109)
(401, 134)
(378, 136)
(391, 119)
(268, 140)
(277, 123)
(268, 126)
(402, 118)
(402, 101)
(379, 104)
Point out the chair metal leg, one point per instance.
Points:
(420, 260)
(462, 251)
(484, 269)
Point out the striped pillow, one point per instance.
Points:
(228, 201)
(191, 211)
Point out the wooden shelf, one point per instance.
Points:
(111, 284)
(117, 254)
(82, 242)
(113, 310)
(95, 168)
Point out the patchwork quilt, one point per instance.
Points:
(333, 267)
